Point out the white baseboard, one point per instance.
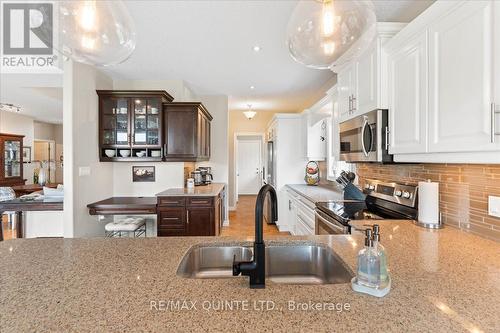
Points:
(283, 227)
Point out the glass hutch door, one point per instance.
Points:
(12, 158)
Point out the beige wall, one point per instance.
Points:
(80, 120)
(238, 123)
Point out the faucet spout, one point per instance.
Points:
(259, 210)
(256, 269)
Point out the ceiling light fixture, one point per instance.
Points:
(95, 32)
(256, 48)
(252, 87)
(10, 107)
(321, 31)
(249, 113)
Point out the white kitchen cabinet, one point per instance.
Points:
(407, 95)
(300, 214)
(361, 82)
(316, 140)
(461, 79)
(289, 161)
(346, 85)
(443, 85)
(367, 74)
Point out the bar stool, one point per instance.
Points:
(129, 224)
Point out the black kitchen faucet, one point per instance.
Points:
(256, 269)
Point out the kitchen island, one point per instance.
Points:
(442, 281)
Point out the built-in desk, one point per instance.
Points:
(124, 206)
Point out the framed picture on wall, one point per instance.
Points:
(27, 154)
(143, 173)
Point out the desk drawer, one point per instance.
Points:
(171, 201)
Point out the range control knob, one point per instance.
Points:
(398, 193)
(406, 195)
(372, 187)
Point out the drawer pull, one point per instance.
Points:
(171, 202)
(170, 218)
(200, 201)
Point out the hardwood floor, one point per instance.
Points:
(8, 233)
(242, 220)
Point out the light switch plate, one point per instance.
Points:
(84, 171)
(494, 206)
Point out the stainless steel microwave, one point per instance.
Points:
(365, 138)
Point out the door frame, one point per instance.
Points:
(235, 157)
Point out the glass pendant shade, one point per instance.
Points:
(321, 31)
(96, 32)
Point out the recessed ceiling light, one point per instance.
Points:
(256, 48)
(252, 87)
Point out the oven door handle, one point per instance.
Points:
(363, 136)
(328, 223)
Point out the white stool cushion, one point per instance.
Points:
(126, 224)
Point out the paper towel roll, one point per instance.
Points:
(428, 202)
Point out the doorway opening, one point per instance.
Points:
(248, 163)
(45, 152)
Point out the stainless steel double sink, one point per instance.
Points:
(287, 263)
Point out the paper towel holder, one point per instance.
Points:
(439, 225)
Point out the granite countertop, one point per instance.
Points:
(198, 191)
(318, 193)
(442, 281)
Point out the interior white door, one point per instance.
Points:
(461, 79)
(249, 166)
(407, 68)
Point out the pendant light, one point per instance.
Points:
(249, 113)
(320, 31)
(97, 32)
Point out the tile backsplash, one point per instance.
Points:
(463, 190)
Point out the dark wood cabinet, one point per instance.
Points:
(130, 124)
(189, 216)
(11, 160)
(186, 132)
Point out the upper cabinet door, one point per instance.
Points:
(367, 76)
(346, 83)
(461, 79)
(407, 88)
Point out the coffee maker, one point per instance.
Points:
(206, 175)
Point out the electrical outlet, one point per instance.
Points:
(494, 206)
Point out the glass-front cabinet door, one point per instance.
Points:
(12, 159)
(115, 128)
(130, 124)
(146, 121)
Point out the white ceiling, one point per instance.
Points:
(209, 45)
(38, 95)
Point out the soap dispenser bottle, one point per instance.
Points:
(372, 277)
(368, 263)
(380, 250)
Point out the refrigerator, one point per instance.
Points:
(269, 179)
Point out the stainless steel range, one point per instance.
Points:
(383, 201)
